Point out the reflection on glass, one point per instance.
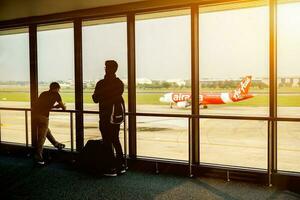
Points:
(162, 137)
(13, 128)
(56, 60)
(163, 62)
(288, 48)
(102, 40)
(230, 51)
(234, 142)
(14, 68)
(288, 140)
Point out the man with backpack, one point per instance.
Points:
(108, 93)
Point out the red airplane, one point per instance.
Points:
(183, 100)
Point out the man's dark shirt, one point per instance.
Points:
(46, 102)
(108, 91)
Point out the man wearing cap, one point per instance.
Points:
(108, 92)
(40, 111)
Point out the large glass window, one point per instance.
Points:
(234, 142)
(55, 44)
(234, 46)
(102, 40)
(163, 63)
(14, 83)
(13, 127)
(56, 60)
(14, 70)
(162, 137)
(288, 88)
(234, 71)
(288, 146)
(163, 82)
(288, 61)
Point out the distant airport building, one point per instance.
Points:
(143, 81)
(178, 82)
(292, 81)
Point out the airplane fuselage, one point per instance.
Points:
(208, 98)
(184, 99)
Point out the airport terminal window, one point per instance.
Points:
(234, 142)
(163, 82)
(55, 50)
(288, 46)
(162, 137)
(288, 85)
(234, 73)
(163, 51)
(55, 44)
(14, 70)
(234, 69)
(288, 146)
(102, 40)
(14, 83)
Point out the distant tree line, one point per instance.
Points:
(288, 84)
(14, 82)
(227, 84)
(161, 84)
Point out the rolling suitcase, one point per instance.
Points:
(95, 157)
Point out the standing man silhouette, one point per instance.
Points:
(40, 113)
(108, 92)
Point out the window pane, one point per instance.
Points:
(162, 137)
(13, 128)
(60, 126)
(14, 84)
(56, 60)
(103, 40)
(234, 142)
(288, 48)
(55, 45)
(288, 146)
(234, 61)
(163, 62)
(14, 70)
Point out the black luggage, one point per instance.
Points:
(95, 157)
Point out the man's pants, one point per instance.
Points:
(43, 131)
(110, 136)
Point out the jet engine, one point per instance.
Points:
(182, 104)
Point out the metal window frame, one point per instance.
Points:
(78, 83)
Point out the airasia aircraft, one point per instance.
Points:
(183, 100)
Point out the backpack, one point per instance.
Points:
(117, 114)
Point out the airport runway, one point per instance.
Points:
(229, 142)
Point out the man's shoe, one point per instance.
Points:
(60, 146)
(40, 162)
(110, 172)
(121, 169)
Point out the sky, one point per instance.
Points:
(232, 44)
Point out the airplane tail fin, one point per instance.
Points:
(241, 92)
